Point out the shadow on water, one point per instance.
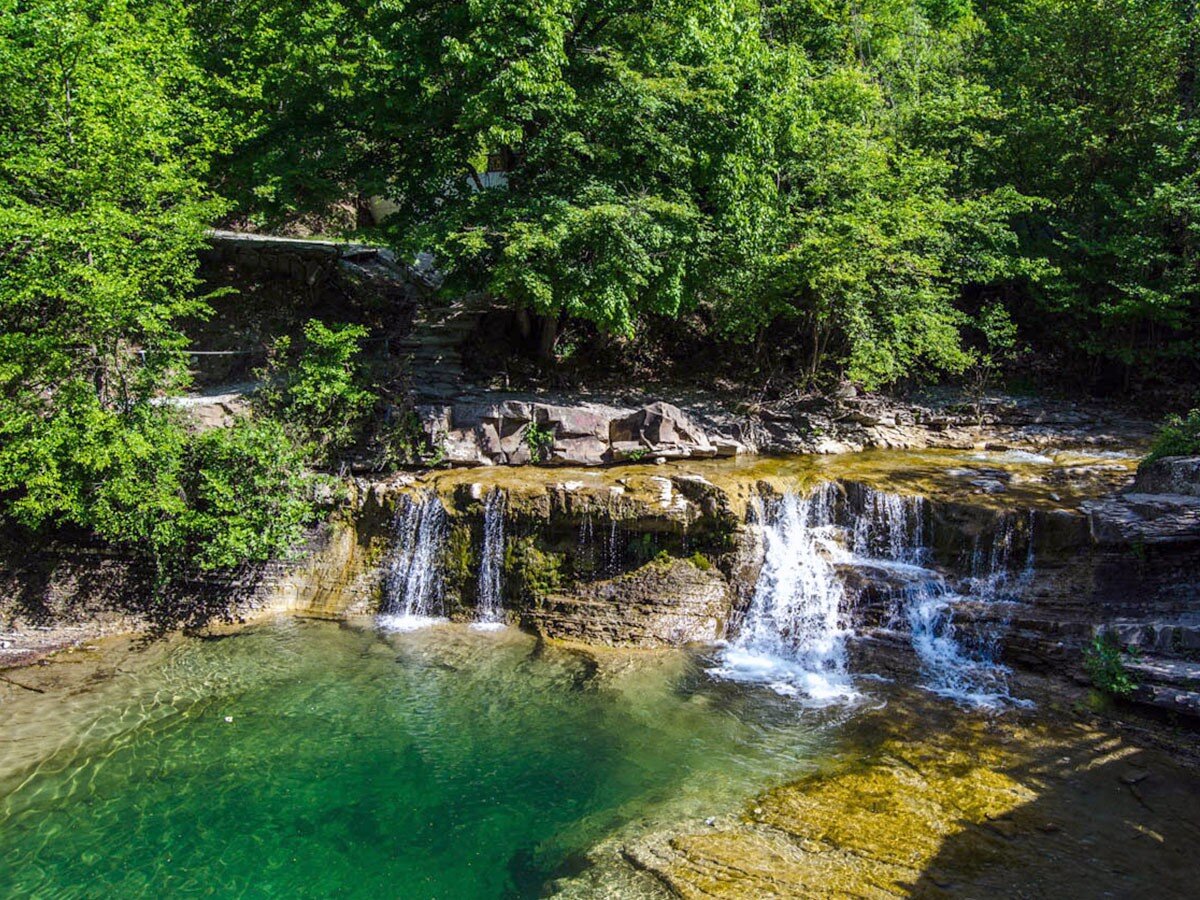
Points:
(926, 799)
(1106, 818)
(531, 877)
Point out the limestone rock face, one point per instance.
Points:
(664, 427)
(1170, 475)
(1162, 506)
(1145, 519)
(515, 432)
(662, 604)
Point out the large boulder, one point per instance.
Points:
(1144, 519)
(662, 430)
(1162, 506)
(1170, 475)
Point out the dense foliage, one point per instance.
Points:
(102, 210)
(317, 390)
(874, 172)
(1179, 436)
(885, 190)
(1104, 662)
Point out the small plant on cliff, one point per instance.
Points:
(403, 442)
(540, 441)
(1178, 436)
(999, 334)
(1104, 663)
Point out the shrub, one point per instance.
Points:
(1178, 436)
(402, 441)
(1104, 663)
(248, 495)
(540, 441)
(142, 480)
(318, 392)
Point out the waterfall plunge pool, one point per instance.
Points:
(311, 758)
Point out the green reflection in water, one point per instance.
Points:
(444, 763)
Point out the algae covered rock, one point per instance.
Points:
(666, 602)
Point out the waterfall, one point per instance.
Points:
(890, 527)
(491, 564)
(965, 668)
(412, 586)
(792, 638)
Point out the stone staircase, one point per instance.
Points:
(434, 348)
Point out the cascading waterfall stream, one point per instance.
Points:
(953, 667)
(792, 638)
(491, 564)
(794, 634)
(412, 587)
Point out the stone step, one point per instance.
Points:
(1170, 698)
(1176, 673)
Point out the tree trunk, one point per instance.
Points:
(524, 326)
(547, 336)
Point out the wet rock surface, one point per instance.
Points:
(931, 803)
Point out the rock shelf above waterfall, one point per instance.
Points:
(909, 554)
(474, 427)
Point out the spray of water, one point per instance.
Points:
(491, 564)
(412, 585)
(792, 638)
(966, 668)
(794, 633)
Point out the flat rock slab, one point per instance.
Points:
(1144, 518)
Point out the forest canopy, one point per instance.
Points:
(889, 190)
(878, 172)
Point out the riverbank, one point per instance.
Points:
(65, 593)
(1023, 556)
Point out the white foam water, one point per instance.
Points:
(491, 563)
(403, 622)
(969, 672)
(792, 638)
(412, 586)
(1012, 456)
(948, 667)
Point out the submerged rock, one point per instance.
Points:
(942, 806)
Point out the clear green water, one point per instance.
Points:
(445, 763)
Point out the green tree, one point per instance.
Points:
(610, 162)
(1100, 122)
(102, 212)
(318, 390)
(849, 209)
